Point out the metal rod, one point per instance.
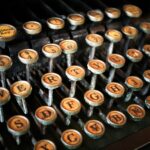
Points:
(28, 72)
(1, 114)
(110, 48)
(128, 95)
(72, 89)
(50, 64)
(3, 79)
(92, 53)
(90, 111)
(24, 106)
(111, 75)
(50, 98)
(69, 60)
(111, 101)
(93, 82)
(129, 69)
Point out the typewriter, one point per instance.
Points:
(74, 74)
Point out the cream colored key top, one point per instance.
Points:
(95, 15)
(145, 27)
(51, 51)
(21, 90)
(7, 32)
(70, 106)
(28, 57)
(71, 138)
(55, 23)
(32, 27)
(74, 73)
(114, 36)
(44, 145)
(97, 67)
(93, 40)
(69, 47)
(5, 64)
(112, 12)
(146, 49)
(116, 61)
(18, 125)
(51, 81)
(4, 98)
(146, 76)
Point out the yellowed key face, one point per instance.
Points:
(44, 145)
(95, 15)
(146, 75)
(117, 118)
(32, 26)
(147, 100)
(21, 89)
(146, 49)
(136, 111)
(7, 32)
(4, 96)
(5, 62)
(18, 124)
(113, 12)
(145, 26)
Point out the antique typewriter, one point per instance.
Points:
(74, 75)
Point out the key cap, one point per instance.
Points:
(71, 138)
(74, 73)
(18, 125)
(51, 51)
(51, 81)
(147, 102)
(71, 107)
(21, 90)
(146, 76)
(112, 13)
(28, 57)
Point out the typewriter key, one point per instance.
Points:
(93, 40)
(113, 36)
(116, 61)
(146, 49)
(93, 98)
(18, 125)
(145, 27)
(136, 112)
(7, 32)
(97, 67)
(95, 15)
(51, 51)
(21, 90)
(51, 81)
(94, 129)
(28, 57)
(44, 145)
(134, 83)
(69, 47)
(134, 56)
(132, 11)
(71, 138)
(146, 76)
(76, 19)
(116, 119)
(147, 102)
(45, 115)
(55, 23)
(74, 73)
(113, 13)
(4, 98)
(70, 106)
(5, 64)
(32, 27)
(114, 90)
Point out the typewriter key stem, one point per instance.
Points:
(129, 69)
(69, 60)
(51, 60)
(146, 89)
(92, 53)
(90, 111)
(127, 42)
(73, 88)
(3, 79)
(111, 101)
(18, 141)
(110, 48)
(93, 81)
(128, 95)
(1, 114)
(50, 98)
(111, 75)
(28, 72)
(68, 120)
(24, 106)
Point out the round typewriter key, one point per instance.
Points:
(70, 106)
(5, 64)
(145, 27)
(18, 125)
(93, 98)
(94, 129)
(55, 23)
(147, 102)
(4, 98)
(71, 138)
(113, 13)
(28, 57)
(51, 81)
(95, 15)
(136, 112)
(68, 47)
(51, 51)
(32, 27)
(76, 19)
(74, 73)
(93, 40)
(7, 32)
(45, 145)
(134, 83)
(116, 119)
(146, 49)
(132, 11)
(97, 67)
(146, 76)
(21, 90)
(113, 36)
(116, 61)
